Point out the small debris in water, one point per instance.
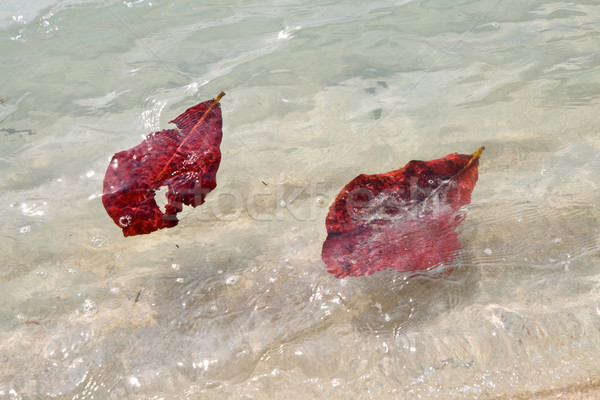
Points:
(138, 296)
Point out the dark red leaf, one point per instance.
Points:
(403, 219)
(185, 160)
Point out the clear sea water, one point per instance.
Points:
(235, 301)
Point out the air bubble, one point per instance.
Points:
(25, 228)
(90, 308)
(133, 381)
(42, 273)
(125, 220)
(98, 241)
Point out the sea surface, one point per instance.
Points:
(235, 301)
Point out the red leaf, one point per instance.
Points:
(185, 160)
(403, 219)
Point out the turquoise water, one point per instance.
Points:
(235, 301)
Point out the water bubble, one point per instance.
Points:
(43, 274)
(176, 267)
(179, 280)
(97, 241)
(232, 280)
(125, 220)
(133, 381)
(488, 251)
(25, 228)
(90, 308)
(320, 200)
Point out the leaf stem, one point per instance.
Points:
(477, 152)
(218, 98)
(475, 156)
(208, 110)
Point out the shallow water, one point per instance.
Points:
(235, 301)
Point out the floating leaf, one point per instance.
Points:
(185, 160)
(404, 219)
